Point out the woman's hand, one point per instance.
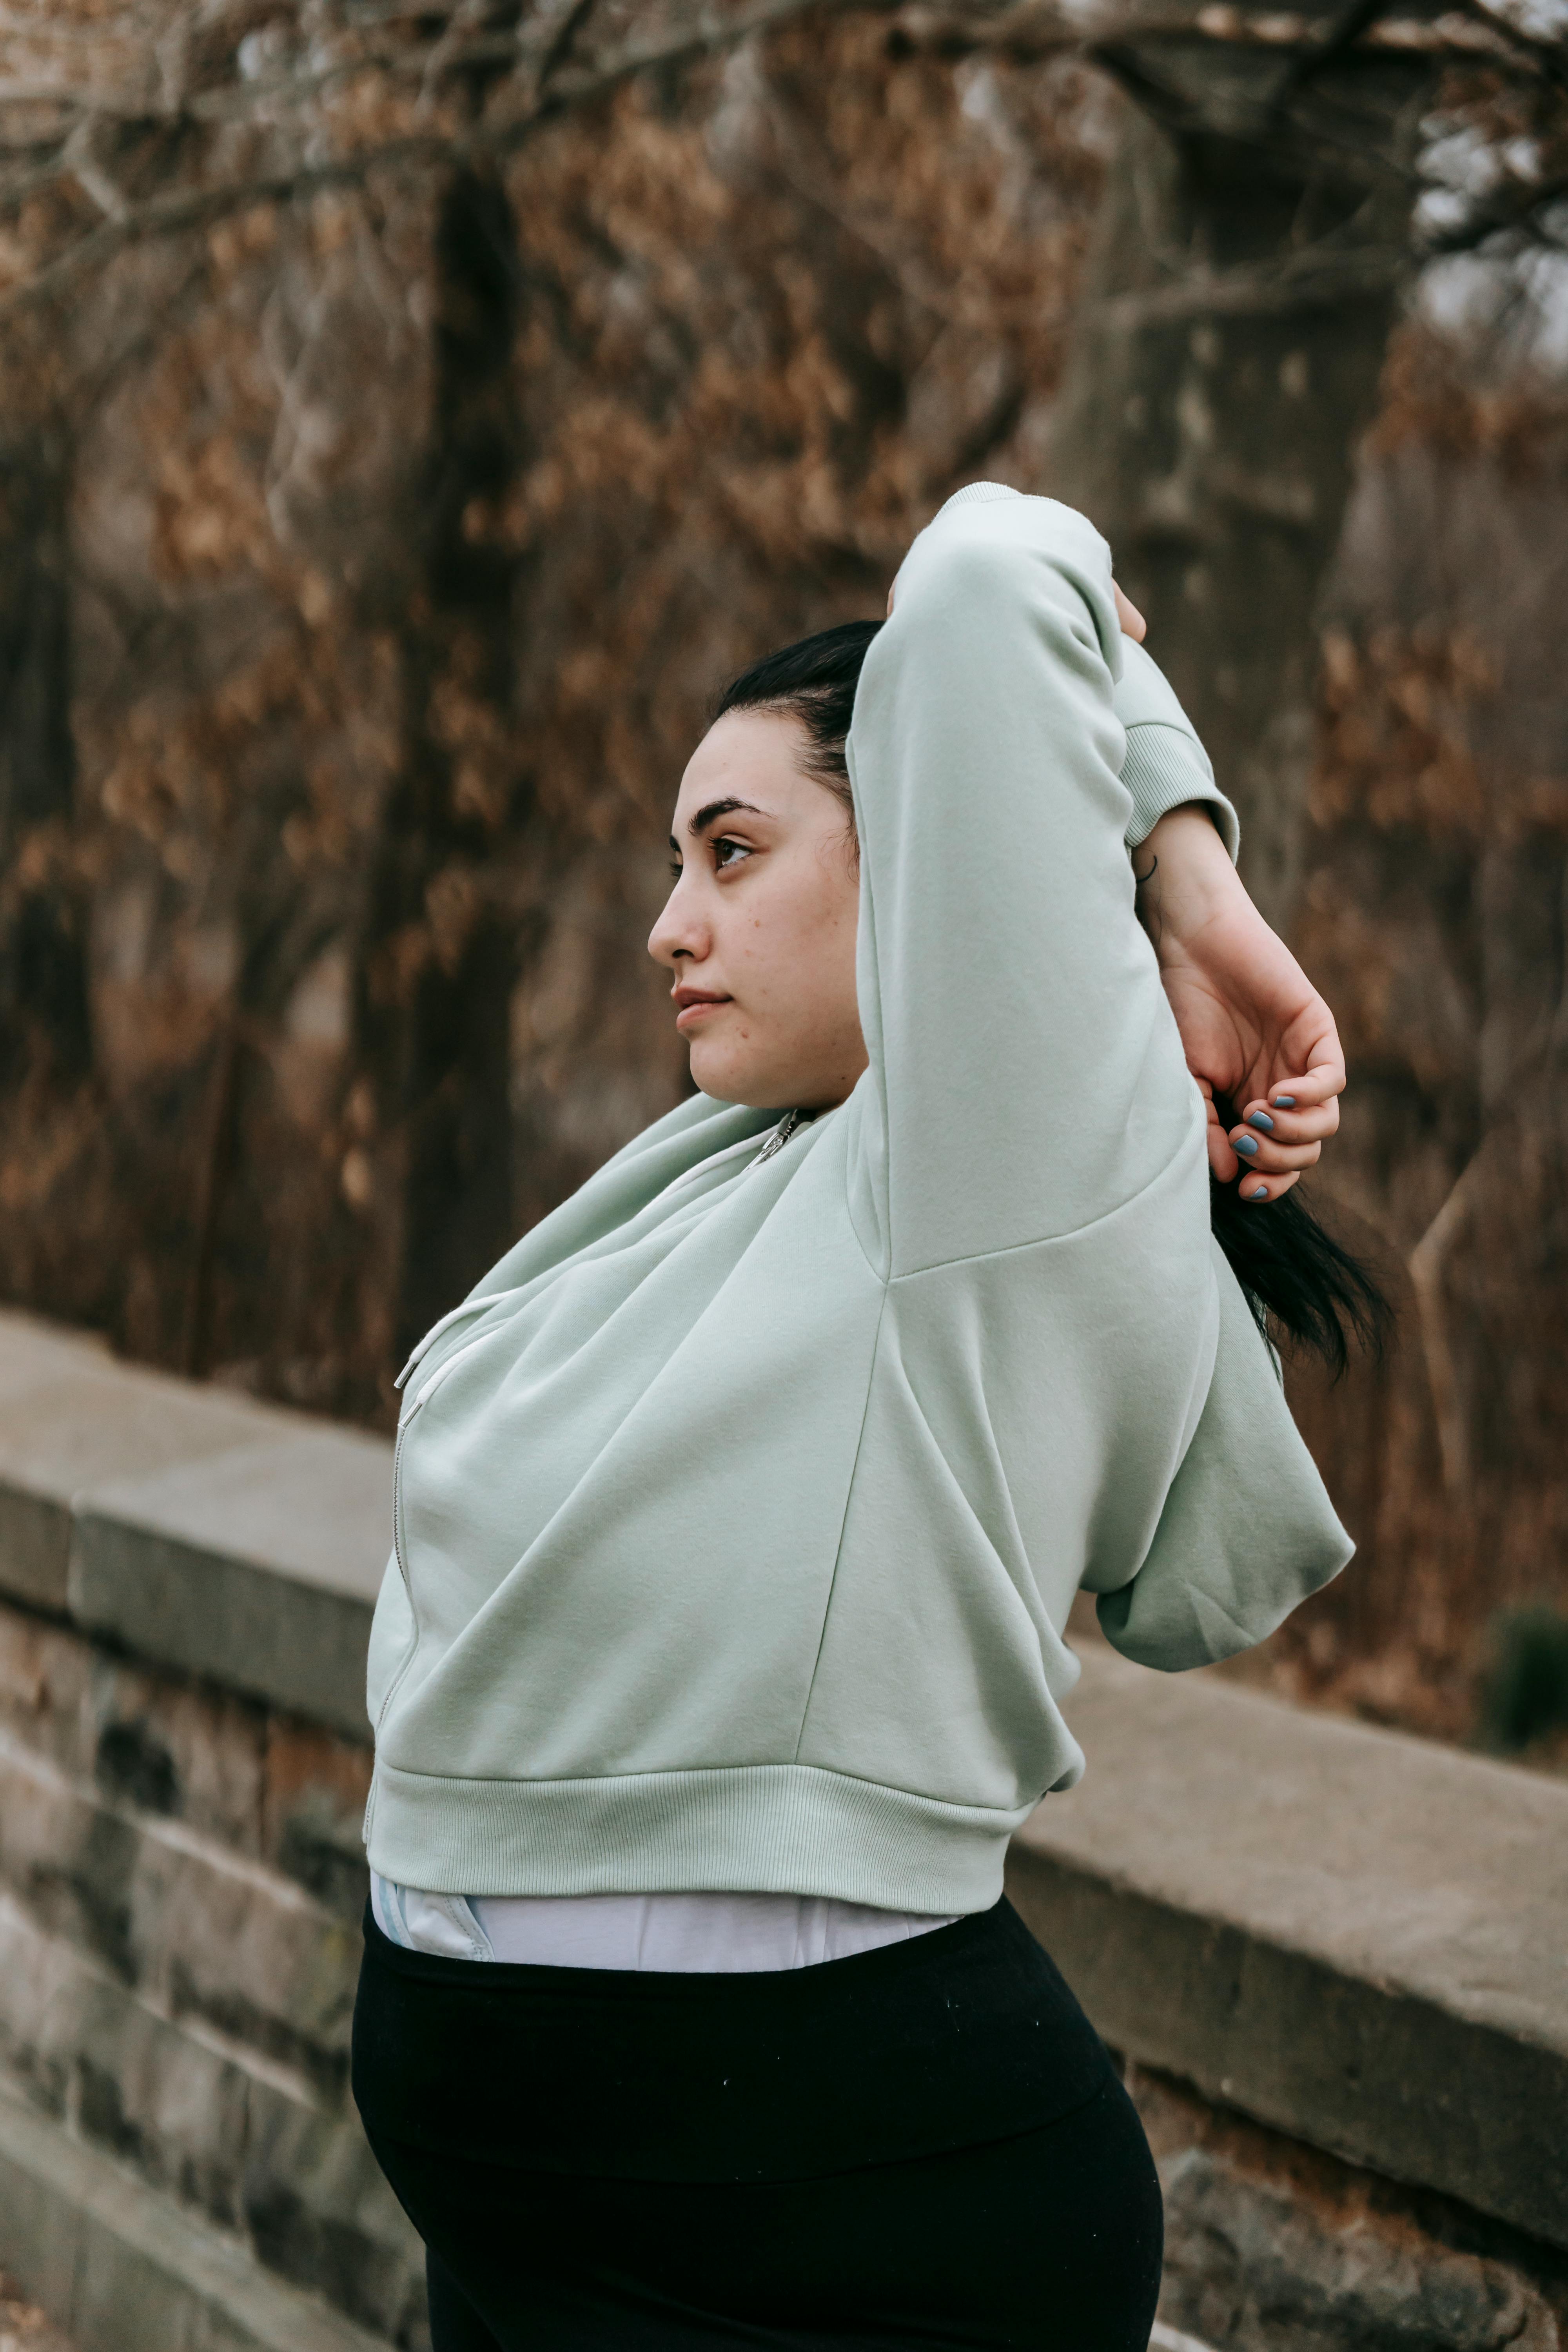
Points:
(1259, 1039)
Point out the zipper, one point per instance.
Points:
(411, 1652)
(791, 1122)
(438, 1330)
(399, 1552)
(787, 1125)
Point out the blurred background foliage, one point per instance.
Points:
(411, 415)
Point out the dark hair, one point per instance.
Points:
(815, 682)
(1295, 1274)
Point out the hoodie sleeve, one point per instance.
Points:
(1026, 1083)
(1247, 1530)
(1025, 1077)
(1164, 764)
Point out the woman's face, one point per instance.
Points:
(759, 929)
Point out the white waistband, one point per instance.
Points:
(680, 1934)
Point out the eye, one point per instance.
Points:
(727, 852)
(676, 868)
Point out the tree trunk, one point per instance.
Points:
(440, 960)
(44, 1019)
(1208, 423)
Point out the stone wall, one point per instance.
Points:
(1330, 1956)
(183, 1766)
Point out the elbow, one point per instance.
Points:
(1009, 609)
(968, 572)
(1015, 556)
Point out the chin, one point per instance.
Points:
(728, 1079)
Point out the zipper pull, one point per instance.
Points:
(780, 1136)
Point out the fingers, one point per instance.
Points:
(1282, 1132)
(1223, 1161)
(1272, 1159)
(1325, 1079)
(1133, 624)
(1264, 1189)
(1313, 1124)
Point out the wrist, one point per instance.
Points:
(1183, 873)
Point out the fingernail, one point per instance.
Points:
(1246, 1144)
(1261, 1118)
(1258, 1192)
(1284, 1102)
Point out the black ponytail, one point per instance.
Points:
(1297, 1279)
(1300, 1281)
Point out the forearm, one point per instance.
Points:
(1185, 876)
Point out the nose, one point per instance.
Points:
(680, 931)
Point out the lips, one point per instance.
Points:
(694, 1005)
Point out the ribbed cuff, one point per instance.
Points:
(791, 1829)
(1166, 767)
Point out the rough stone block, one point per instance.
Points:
(124, 2270)
(190, 1927)
(259, 1782)
(1272, 2248)
(315, 1788)
(1249, 2268)
(1352, 1934)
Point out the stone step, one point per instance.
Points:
(242, 2145)
(124, 2270)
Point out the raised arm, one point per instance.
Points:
(1258, 1036)
(1026, 1075)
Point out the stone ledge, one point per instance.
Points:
(230, 1539)
(1355, 1936)
(124, 2270)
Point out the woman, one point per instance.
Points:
(740, 1509)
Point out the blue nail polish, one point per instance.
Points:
(1284, 1102)
(1259, 1192)
(1261, 1118)
(1246, 1144)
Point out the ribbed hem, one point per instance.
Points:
(761, 1829)
(1164, 768)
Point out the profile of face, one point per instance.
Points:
(759, 931)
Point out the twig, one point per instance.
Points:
(78, 158)
(1514, 211)
(543, 84)
(558, 48)
(1353, 23)
(188, 208)
(1426, 1261)
(1306, 281)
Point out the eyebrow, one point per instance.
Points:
(714, 809)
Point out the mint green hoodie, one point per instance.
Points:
(740, 1508)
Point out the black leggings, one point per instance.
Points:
(920, 2146)
(1049, 2240)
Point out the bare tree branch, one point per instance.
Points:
(123, 119)
(181, 209)
(1427, 1263)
